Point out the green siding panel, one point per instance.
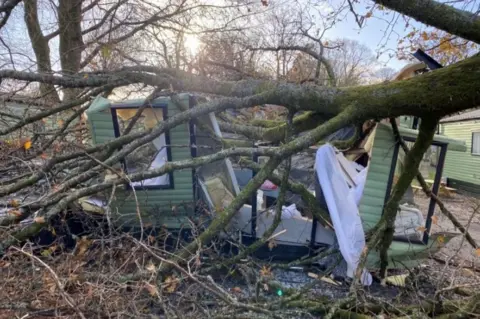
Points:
(373, 199)
(462, 166)
(171, 207)
(407, 255)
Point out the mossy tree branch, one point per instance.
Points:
(275, 130)
(280, 201)
(443, 91)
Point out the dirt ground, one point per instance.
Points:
(466, 209)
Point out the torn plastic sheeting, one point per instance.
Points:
(342, 206)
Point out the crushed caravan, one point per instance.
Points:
(364, 174)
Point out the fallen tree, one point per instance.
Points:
(429, 96)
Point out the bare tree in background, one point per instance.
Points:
(107, 48)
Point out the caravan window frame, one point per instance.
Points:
(436, 185)
(472, 148)
(116, 129)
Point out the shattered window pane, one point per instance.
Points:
(152, 155)
(413, 210)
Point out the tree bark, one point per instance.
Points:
(40, 48)
(438, 93)
(71, 41)
(439, 15)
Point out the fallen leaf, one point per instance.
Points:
(52, 230)
(467, 272)
(266, 271)
(82, 246)
(272, 244)
(421, 228)
(89, 291)
(477, 252)
(15, 212)
(441, 239)
(198, 262)
(151, 267)
(44, 156)
(434, 220)
(49, 283)
(171, 284)
(105, 52)
(46, 252)
(236, 290)
(14, 203)
(151, 239)
(369, 14)
(152, 290)
(27, 145)
(398, 280)
(60, 122)
(39, 220)
(4, 264)
(424, 36)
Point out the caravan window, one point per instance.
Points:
(476, 143)
(150, 156)
(415, 226)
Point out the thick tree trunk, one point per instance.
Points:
(71, 41)
(40, 48)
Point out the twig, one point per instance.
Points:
(59, 285)
(126, 178)
(216, 290)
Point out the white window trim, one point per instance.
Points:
(471, 150)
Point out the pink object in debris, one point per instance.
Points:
(268, 186)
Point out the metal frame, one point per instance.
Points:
(421, 56)
(192, 101)
(436, 184)
(428, 60)
(313, 234)
(254, 202)
(471, 148)
(193, 150)
(123, 161)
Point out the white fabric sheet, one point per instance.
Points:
(342, 204)
(291, 211)
(159, 161)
